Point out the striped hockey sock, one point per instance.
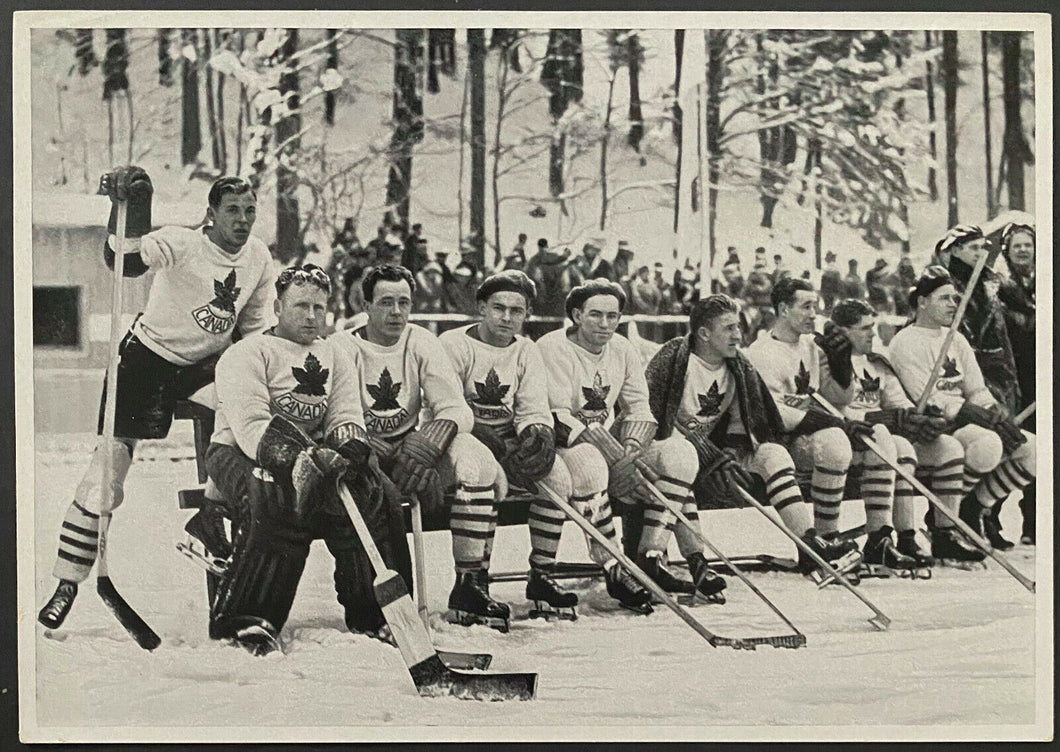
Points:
(604, 521)
(947, 481)
(784, 495)
(877, 489)
(905, 497)
(970, 480)
(470, 523)
(487, 552)
(78, 542)
(826, 490)
(687, 543)
(658, 520)
(546, 526)
(1007, 477)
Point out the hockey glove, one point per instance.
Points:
(492, 439)
(625, 480)
(856, 430)
(415, 460)
(534, 456)
(1011, 435)
(837, 350)
(131, 184)
(280, 445)
(636, 433)
(817, 420)
(312, 467)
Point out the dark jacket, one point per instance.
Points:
(666, 382)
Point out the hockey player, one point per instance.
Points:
(593, 373)
(702, 386)
(506, 386)
(289, 423)
(794, 362)
(909, 438)
(403, 369)
(999, 458)
(210, 285)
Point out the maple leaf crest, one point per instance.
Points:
(492, 391)
(385, 392)
(312, 378)
(802, 381)
(595, 396)
(949, 368)
(869, 384)
(225, 293)
(710, 403)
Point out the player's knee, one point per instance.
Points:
(588, 469)
(559, 479)
(886, 443)
(984, 452)
(769, 459)
(831, 449)
(676, 458)
(473, 463)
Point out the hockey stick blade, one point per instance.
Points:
(434, 679)
(136, 627)
(453, 659)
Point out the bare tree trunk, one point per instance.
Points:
(949, 85)
(191, 135)
(603, 150)
(678, 115)
(929, 86)
(408, 121)
(715, 78)
(991, 209)
(222, 40)
(460, 168)
(1017, 151)
(476, 40)
(636, 116)
(332, 64)
(288, 238)
(211, 110)
(502, 103)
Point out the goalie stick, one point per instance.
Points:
(450, 658)
(940, 507)
(429, 673)
(613, 451)
(715, 640)
(136, 627)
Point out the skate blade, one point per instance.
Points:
(257, 641)
(549, 613)
(195, 551)
(912, 573)
(690, 600)
(467, 619)
(847, 565)
(643, 610)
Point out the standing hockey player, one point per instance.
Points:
(593, 373)
(289, 424)
(209, 285)
(506, 386)
(702, 386)
(794, 362)
(999, 458)
(403, 369)
(916, 439)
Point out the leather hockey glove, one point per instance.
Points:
(837, 349)
(1011, 435)
(856, 430)
(133, 185)
(625, 480)
(312, 468)
(817, 420)
(416, 459)
(533, 457)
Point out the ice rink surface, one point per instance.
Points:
(960, 651)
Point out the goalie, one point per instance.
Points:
(289, 425)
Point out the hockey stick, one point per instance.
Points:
(715, 640)
(961, 308)
(613, 451)
(429, 673)
(939, 506)
(574, 570)
(136, 627)
(449, 658)
(1025, 413)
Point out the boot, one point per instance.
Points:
(708, 583)
(831, 550)
(949, 546)
(470, 603)
(881, 555)
(1028, 506)
(550, 599)
(58, 606)
(992, 528)
(626, 590)
(654, 565)
(908, 546)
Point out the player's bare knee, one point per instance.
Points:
(831, 449)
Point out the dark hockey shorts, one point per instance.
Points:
(148, 388)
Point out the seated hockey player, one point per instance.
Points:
(794, 362)
(593, 373)
(702, 386)
(209, 285)
(403, 369)
(506, 386)
(289, 423)
(908, 437)
(999, 458)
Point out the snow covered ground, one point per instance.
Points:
(962, 660)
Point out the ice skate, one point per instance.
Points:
(551, 601)
(470, 603)
(194, 549)
(207, 526)
(626, 590)
(654, 565)
(909, 546)
(708, 583)
(58, 606)
(841, 554)
(992, 528)
(951, 549)
(258, 638)
(882, 559)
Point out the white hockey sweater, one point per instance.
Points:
(914, 351)
(200, 293)
(707, 396)
(399, 380)
(504, 386)
(584, 388)
(876, 387)
(265, 375)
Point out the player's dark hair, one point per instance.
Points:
(784, 291)
(600, 286)
(705, 311)
(386, 273)
(228, 186)
(850, 311)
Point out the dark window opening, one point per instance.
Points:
(57, 316)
